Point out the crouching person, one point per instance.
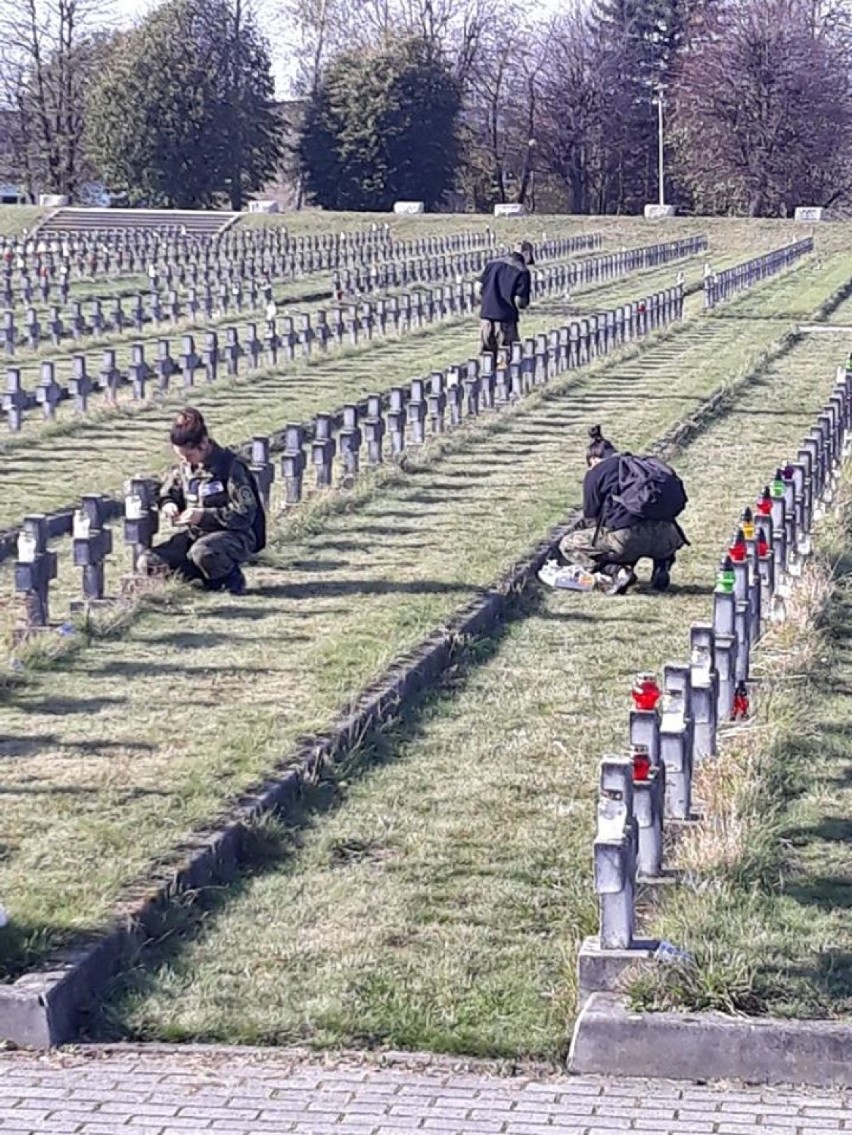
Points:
(629, 510)
(212, 497)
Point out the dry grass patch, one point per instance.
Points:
(766, 901)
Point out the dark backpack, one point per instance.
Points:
(648, 488)
(259, 526)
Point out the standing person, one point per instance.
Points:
(505, 286)
(212, 496)
(629, 509)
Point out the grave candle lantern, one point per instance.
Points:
(747, 524)
(738, 550)
(645, 692)
(725, 579)
(764, 505)
(641, 762)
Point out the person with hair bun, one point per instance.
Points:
(211, 496)
(616, 535)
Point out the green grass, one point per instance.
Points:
(129, 746)
(435, 895)
(15, 218)
(768, 922)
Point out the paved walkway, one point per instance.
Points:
(165, 1091)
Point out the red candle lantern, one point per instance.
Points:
(738, 550)
(764, 505)
(645, 693)
(762, 544)
(641, 762)
(741, 702)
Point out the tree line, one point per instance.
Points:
(459, 103)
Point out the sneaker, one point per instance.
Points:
(660, 576)
(624, 579)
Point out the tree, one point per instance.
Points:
(49, 53)
(763, 114)
(382, 126)
(183, 113)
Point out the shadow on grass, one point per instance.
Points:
(318, 589)
(272, 844)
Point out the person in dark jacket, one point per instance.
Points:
(211, 497)
(505, 287)
(613, 540)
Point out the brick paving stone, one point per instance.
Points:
(193, 1091)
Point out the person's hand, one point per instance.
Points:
(190, 516)
(169, 510)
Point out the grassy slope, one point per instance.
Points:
(439, 905)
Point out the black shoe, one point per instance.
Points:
(235, 581)
(660, 576)
(624, 579)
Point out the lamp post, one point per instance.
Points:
(661, 177)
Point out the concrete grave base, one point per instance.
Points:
(810, 213)
(610, 1039)
(263, 207)
(409, 208)
(658, 212)
(600, 970)
(509, 209)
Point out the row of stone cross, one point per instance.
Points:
(286, 337)
(720, 286)
(381, 427)
(673, 726)
(100, 258)
(244, 274)
(231, 295)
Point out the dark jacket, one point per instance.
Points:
(599, 484)
(506, 285)
(221, 487)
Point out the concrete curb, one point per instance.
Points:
(610, 1039)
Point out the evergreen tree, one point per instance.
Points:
(183, 114)
(382, 126)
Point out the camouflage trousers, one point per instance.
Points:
(209, 557)
(651, 539)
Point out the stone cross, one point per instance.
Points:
(374, 429)
(35, 568)
(323, 449)
(80, 385)
(48, 392)
(293, 463)
(141, 519)
(350, 441)
(92, 544)
(15, 400)
(262, 468)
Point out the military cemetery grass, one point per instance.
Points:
(49, 466)
(768, 917)
(128, 746)
(438, 899)
(130, 741)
